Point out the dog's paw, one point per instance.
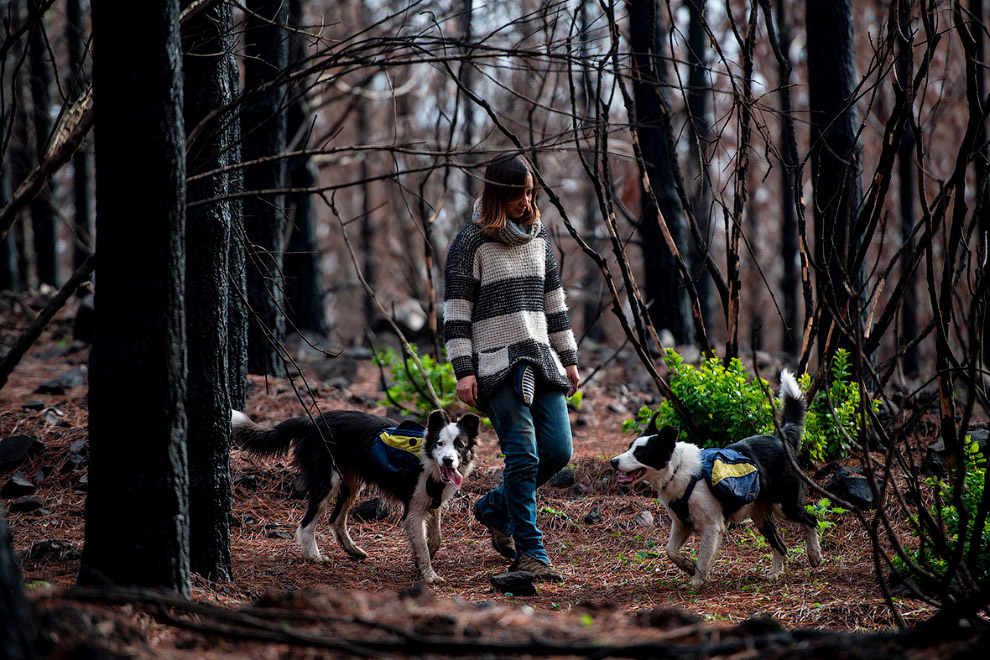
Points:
(697, 581)
(357, 553)
(432, 578)
(316, 557)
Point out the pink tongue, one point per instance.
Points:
(452, 475)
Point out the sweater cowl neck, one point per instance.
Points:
(511, 233)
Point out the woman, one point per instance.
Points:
(510, 342)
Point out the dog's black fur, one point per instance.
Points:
(333, 453)
(668, 465)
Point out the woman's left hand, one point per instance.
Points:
(574, 377)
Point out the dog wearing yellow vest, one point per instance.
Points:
(691, 484)
(341, 451)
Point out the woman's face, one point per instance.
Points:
(520, 206)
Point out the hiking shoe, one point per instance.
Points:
(502, 542)
(541, 569)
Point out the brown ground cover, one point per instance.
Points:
(616, 574)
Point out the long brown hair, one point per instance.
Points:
(505, 179)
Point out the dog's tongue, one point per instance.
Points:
(451, 475)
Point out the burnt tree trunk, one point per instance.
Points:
(205, 40)
(263, 127)
(137, 512)
(303, 276)
(44, 223)
(788, 171)
(835, 167)
(82, 191)
(16, 626)
(669, 306)
(9, 280)
(237, 311)
(698, 95)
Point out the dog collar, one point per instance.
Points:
(672, 475)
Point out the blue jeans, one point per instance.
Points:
(536, 441)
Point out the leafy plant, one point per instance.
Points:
(833, 416)
(728, 404)
(824, 512)
(408, 385)
(934, 555)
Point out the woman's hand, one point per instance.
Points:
(572, 375)
(467, 389)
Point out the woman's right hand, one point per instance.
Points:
(467, 389)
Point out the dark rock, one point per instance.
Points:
(577, 490)
(279, 534)
(79, 446)
(934, 463)
(43, 473)
(52, 550)
(50, 387)
(851, 487)
(563, 479)
(85, 321)
(581, 420)
(245, 480)
(73, 462)
(15, 449)
(644, 519)
(26, 504)
(665, 618)
(593, 517)
(17, 486)
(83, 484)
(75, 378)
(370, 510)
(515, 583)
(34, 405)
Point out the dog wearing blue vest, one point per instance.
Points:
(705, 490)
(341, 451)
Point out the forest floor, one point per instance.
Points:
(619, 588)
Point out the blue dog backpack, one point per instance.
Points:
(732, 477)
(397, 449)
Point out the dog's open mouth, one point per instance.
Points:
(629, 477)
(451, 475)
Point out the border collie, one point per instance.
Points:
(333, 452)
(671, 466)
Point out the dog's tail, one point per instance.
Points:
(267, 441)
(794, 406)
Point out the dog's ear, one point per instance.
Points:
(651, 428)
(438, 419)
(668, 436)
(469, 424)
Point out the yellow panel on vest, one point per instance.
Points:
(410, 443)
(722, 470)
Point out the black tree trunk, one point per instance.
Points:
(835, 164)
(670, 307)
(9, 278)
(205, 40)
(237, 311)
(43, 220)
(263, 127)
(82, 230)
(137, 513)
(303, 276)
(788, 227)
(16, 629)
(698, 95)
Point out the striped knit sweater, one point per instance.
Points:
(504, 304)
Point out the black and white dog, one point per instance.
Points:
(672, 466)
(334, 455)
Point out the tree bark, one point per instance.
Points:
(668, 302)
(137, 512)
(9, 279)
(835, 166)
(16, 625)
(205, 40)
(788, 171)
(43, 220)
(303, 275)
(81, 171)
(263, 125)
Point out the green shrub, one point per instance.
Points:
(728, 404)
(827, 427)
(408, 387)
(933, 555)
